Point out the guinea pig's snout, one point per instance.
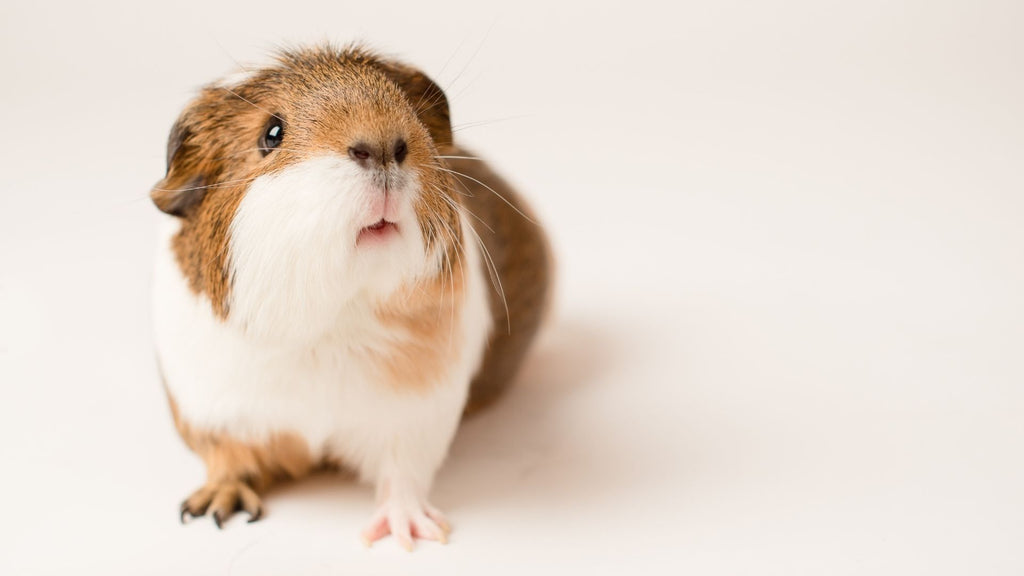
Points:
(370, 155)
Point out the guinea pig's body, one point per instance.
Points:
(334, 281)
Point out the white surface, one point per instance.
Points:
(790, 330)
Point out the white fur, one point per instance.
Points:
(291, 356)
(293, 252)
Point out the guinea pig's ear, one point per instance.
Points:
(182, 188)
(426, 97)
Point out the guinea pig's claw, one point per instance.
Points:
(189, 512)
(221, 499)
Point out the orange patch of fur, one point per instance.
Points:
(424, 319)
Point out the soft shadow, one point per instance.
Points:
(323, 491)
(538, 442)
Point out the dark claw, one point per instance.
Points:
(185, 511)
(217, 520)
(255, 516)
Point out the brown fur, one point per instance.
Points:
(423, 318)
(520, 257)
(236, 471)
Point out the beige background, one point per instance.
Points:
(790, 337)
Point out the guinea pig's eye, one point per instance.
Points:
(272, 137)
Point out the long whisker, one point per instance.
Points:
(460, 158)
(452, 236)
(446, 264)
(488, 261)
(473, 57)
(451, 274)
(452, 57)
(467, 192)
(492, 271)
(505, 200)
(228, 54)
(422, 106)
(456, 207)
(250, 102)
(468, 85)
(248, 150)
(434, 101)
(462, 271)
(492, 268)
(419, 102)
(449, 240)
(217, 185)
(478, 123)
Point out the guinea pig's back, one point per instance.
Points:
(517, 251)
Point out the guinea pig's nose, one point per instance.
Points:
(401, 150)
(362, 154)
(366, 154)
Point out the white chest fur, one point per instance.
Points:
(324, 391)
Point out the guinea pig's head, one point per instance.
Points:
(307, 184)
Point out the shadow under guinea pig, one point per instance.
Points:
(538, 443)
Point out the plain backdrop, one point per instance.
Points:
(789, 336)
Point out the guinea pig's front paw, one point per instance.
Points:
(221, 499)
(406, 519)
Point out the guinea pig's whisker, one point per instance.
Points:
(462, 271)
(434, 100)
(250, 150)
(440, 72)
(446, 230)
(478, 123)
(455, 240)
(207, 186)
(230, 57)
(468, 85)
(450, 239)
(452, 57)
(460, 158)
(446, 265)
(492, 268)
(250, 102)
(430, 107)
(467, 192)
(492, 271)
(457, 174)
(457, 208)
(476, 52)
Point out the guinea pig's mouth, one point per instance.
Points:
(379, 230)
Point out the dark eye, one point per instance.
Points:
(272, 137)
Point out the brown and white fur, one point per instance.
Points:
(341, 297)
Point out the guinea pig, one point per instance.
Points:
(337, 283)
